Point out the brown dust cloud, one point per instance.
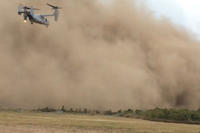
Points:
(113, 56)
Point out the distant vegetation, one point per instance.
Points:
(166, 115)
(157, 114)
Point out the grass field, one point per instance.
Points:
(34, 122)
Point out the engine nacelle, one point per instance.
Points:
(20, 9)
(25, 17)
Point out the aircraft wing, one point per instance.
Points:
(48, 15)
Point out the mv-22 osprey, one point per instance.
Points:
(28, 12)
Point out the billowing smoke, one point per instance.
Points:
(97, 56)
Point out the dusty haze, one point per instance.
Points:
(113, 56)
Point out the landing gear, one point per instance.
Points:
(31, 21)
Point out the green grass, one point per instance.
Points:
(87, 122)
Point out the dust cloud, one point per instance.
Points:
(97, 56)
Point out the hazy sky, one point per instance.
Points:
(184, 12)
(181, 12)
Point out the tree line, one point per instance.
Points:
(157, 114)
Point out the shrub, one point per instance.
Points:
(108, 112)
(63, 109)
(47, 109)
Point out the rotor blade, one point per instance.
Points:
(54, 7)
(21, 12)
(51, 5)
(25, 7)
(36, 9)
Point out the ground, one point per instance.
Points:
(34, 122)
